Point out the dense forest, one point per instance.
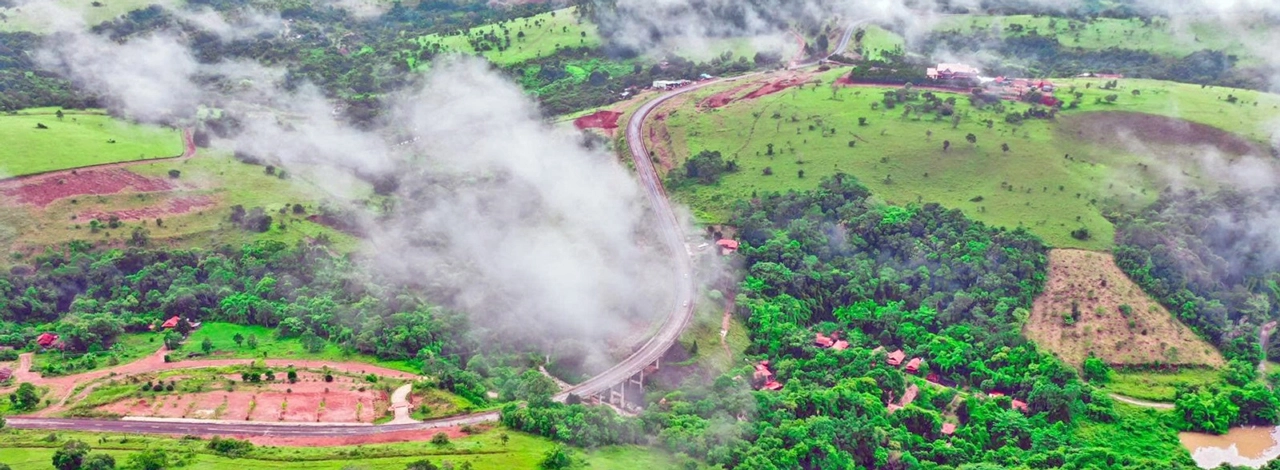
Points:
(91, 297)
(922, 279)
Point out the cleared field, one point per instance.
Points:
(194, 208)
(77, 139)
(1056, 177)
(271, 346)
(877, 41)
(485, 451)
(531, 37)
(40, 18)
(1159, 36)
(1090, 306)
(1159, 386)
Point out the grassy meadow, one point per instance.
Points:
(1159, 386)
(129, 347)
(38, 18)
(876, 41)
(544, 34)
(272, 346)
(213, 177)
(1160, 36)
(1051, 181)
(24, 450)
(79, 139)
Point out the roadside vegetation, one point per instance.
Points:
(495, 449)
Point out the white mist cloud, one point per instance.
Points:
(148, 77)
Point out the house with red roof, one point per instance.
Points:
(170, 323)
(914, 365)
(840, 345)
(895, 358)
(727, 246)
(948, 428)
(46, 339)
(763, 373)
(1019, 405)
(822, 341)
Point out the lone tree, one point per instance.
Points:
(25, 398)
(946, 145)
(206, 346)
(238, 338)
(973, 139)
(175, 174)
(71, 455)
(1004, 147)
(172, 340)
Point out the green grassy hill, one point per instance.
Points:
(37, 19)
(79, 138)
(543, 35)
(1160, 36)
(1034, 184)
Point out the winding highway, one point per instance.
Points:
(681, 312)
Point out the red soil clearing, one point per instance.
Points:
(343, 402)
(721, 99)
(177, 206)
(773, 87)
(598, 120)
(42, 191)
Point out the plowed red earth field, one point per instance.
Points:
(42, 191)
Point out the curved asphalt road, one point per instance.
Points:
(681, 309)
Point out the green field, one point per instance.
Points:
(1159, 37)
(902, 161)
(38, 18)
(877, 41)
(28, 450)
(1156, 386)
(129, 347)
(560, 28)
(78, 139)
(271, 346)
(215, 176)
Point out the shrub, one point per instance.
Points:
(230, 447)
(440, 439)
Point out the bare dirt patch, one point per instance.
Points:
(1092, 285)
(1118, 128)
(607, 120)
(723, 98)
(775, 86)
(309, 400)
(43, 190)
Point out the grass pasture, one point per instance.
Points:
(216, 178)
(80, 138)
(37, 17)
(1092, 285)
(543, 35)
(129, 347)
(1159, 386)
(1160, 36)
(876, 41)
(24, 450)
(272, 346)
(1053, 180)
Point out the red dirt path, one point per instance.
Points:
(607, 120)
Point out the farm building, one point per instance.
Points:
(948, 428)
(46, 340)
(914, 365)
(830, 342)
(727, 246)
(669, 84)
(895, 358)
(763, 373)
(1019, 405)
(952, 72)
(173, 321)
